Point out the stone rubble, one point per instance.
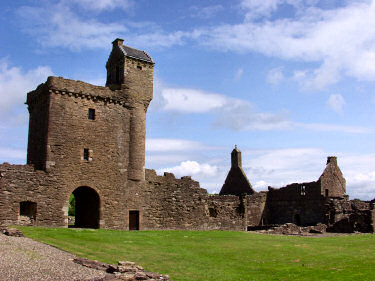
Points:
(292, 229)
(124, 270)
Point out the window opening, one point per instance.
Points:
(28, 210)
(303, 190)
(139, 67)
(86, 154)
(326, 192)
(91, 114)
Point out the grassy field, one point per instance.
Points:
(222, 255)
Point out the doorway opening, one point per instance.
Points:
(133, 220)
(297, 219)
(84, 205)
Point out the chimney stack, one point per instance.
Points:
(332, 159)
(118, 42)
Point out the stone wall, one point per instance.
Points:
(344, 215)
(182, 204)
(256, 210)
(21, 183)
(300, 203)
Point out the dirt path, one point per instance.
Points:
(24, 259)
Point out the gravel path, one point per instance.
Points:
(24, 259)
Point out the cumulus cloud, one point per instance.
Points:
(279, 167)
(15, 83)
(236, 114)
(58, 26)
(335, 38)
(100, 5)
(191, 101)
(206, 12)
(336, 103)
(191, 168)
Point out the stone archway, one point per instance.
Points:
(87, 207)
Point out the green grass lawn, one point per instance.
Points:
(222, 255)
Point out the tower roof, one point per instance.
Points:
(131, 52)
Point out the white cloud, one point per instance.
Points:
(275, 76)
(279, 167)
(336, 103)
(258, 8)
(192, 168)
(206, 12)
(335, 38)
(59, 26)
(14, 85)
(236, 114)
(171, 145)
(191, 101)
(100, 5)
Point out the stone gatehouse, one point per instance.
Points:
(89, 141)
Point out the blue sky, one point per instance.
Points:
(289, 81)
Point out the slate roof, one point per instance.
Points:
(137, 54)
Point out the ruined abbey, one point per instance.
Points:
(89, 141)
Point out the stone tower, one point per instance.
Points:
(104, 126)
(130, 72)
(236, 182)
(91, 139)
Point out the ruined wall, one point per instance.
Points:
(172, 203)
(256, 209)
(21, 183)
(301, 204)
(344, 215)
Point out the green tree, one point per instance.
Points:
(72, 205)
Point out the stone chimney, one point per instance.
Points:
(332, 159)
(236, 157)
(118, 42)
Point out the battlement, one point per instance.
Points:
(79, 89)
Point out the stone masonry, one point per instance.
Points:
(89, 141)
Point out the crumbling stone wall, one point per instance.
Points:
(300, 203)
(256, 209)
(344, 215)
(21, 183)
(181, 204)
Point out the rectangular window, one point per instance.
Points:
(91, 114)
(86, 154)
(326, 192)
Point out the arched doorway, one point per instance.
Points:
(87, 207)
